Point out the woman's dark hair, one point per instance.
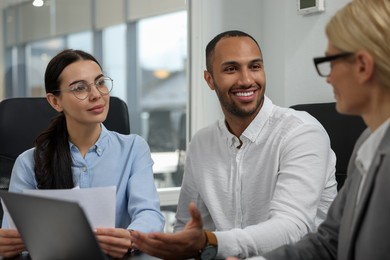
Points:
(53, 161)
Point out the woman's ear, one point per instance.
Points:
(54, 102)
(365, 66)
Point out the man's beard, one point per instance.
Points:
(232, 108)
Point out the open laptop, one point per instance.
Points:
(52, 229)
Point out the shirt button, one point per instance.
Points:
(99, 150)
(84, 168)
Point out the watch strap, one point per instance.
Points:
(211, 242)
(211, 238)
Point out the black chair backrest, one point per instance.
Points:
(23, 119)
(118, 116)
(160, 134)
(343, 132)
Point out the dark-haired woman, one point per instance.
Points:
(77, 150)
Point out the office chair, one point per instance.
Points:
(23, 119)
(161, 134)
(343, 132)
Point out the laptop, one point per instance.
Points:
(51, 228)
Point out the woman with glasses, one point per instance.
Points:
(357, 65)
(77, 150)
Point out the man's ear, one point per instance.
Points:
(54, 102)
(209, 79)
(365, 66)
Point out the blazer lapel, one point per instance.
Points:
(364, 196)
(354, 176)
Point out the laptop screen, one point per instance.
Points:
(52, 228)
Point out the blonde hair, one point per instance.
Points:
(364, 25)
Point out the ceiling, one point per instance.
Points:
(6, 3)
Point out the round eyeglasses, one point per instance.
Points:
(81, 89)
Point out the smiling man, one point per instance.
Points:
(259, 178)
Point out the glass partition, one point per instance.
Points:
(162, 45)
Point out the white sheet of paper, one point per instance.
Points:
(98, 203)
(11, 224)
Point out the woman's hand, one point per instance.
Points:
(115, 242)
(11, 243)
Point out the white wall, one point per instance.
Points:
(289, 42)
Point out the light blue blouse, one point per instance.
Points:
(117, 160)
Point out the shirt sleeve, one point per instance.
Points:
(325, 243)
(144, 201)
(319, 245)
(22, 176)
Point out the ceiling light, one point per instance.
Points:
(38, 3)
(161, 74)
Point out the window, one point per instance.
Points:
(38, 54)
(114, 60)
(80, 41)
(162, 57)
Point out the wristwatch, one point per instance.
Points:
(211, 248)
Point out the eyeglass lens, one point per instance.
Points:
(324, 68)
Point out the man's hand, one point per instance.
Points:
(114, 242)
(181, 245)
(11, 243)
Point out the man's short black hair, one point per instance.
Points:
(211, 45)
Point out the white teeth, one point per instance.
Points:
(244, 94)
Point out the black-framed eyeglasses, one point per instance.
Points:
(82, 89)
(323, 65)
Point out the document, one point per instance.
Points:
(99, 203)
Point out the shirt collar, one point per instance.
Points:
(254, 128)
(367, 150)
(100, 144)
